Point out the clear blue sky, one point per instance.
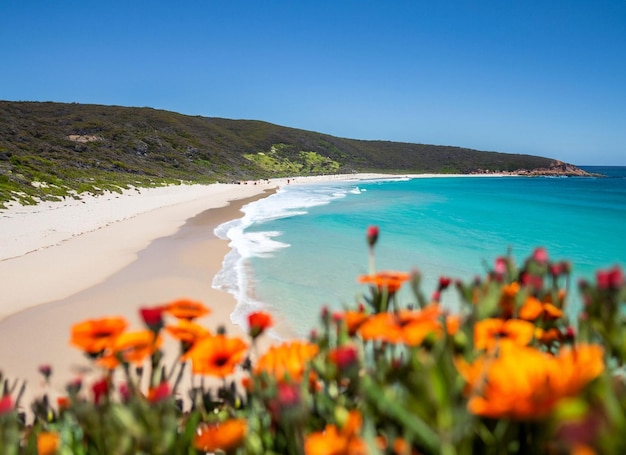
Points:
(526, 76)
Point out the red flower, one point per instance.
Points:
(6, 404)
(152, 317)
(343, 356)
(258, 322)
(444, 282)
(610, 279)
(63, 403)
(100, 390)
(159, 393)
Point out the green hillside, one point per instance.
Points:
(49, 150)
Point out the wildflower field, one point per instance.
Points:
(509, 373)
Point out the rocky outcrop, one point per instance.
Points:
(557, 169)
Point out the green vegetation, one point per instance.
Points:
(54, 150)
(281, 163)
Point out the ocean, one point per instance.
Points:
(302, 248)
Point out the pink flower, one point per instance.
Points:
(501, 266)
(540, 255)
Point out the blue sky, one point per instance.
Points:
(538, 77)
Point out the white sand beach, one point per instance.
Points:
(64, 262)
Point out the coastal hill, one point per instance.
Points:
(52, 150)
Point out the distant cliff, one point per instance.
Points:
(49, 150)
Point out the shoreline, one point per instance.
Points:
(169, 268)
(57, 242)
(147, 247)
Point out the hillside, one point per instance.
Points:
(49, 150)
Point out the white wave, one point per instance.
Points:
(245, 243)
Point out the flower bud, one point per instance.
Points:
(46, 371)
(258, 322)
(372, 235)
(152, 317)
(540, 255)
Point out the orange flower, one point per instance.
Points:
(334, 441)
(288, 359)
(48, 442)
(327, 442)
(524, 383)
(389, 280)
(217, 355)
(576, 366)
(188, 333)
(63, 403)
(410, 327)
(354, 319)
(507, 298)
(95, 335)
(418, 324)
(225, 436)
(414, 333)
(492, 332)
(548, 336)
(132, 347)
(534, 309)
(186, 309)
(383, 327)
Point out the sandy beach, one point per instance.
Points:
(64, 262)
(145, 249)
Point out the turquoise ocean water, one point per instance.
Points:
(303, 247)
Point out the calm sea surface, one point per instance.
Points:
(303, 247)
